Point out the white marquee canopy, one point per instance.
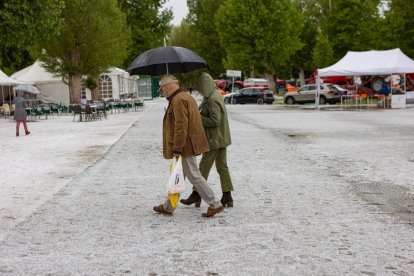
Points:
(370, 63)
(35, 74)
(5, 80)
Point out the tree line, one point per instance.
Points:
(270, 38)
(274, 38)
(79, 38)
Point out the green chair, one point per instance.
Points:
(46, 110)
(37, 111)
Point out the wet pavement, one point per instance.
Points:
(316, 193)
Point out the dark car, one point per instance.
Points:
(259, 95)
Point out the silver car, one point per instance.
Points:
(307, 93)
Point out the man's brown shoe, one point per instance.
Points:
(212, 211)
(160, 209)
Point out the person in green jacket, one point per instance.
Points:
(216, 126)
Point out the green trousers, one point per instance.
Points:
(219, 156)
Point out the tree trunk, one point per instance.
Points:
(271, 81)
(75, 88)
(96, 94)
(302, 76)
(252, 73)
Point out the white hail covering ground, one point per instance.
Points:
(316, 193)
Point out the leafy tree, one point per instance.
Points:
(179, 36)
(204, 35)
(259, 34)
(149, 25)
(322, 53)
(311, 13)
(22, 23)
(93, 37)
(92, 84)
(351, 25)
(401, 18)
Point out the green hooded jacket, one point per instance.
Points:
(213, 113)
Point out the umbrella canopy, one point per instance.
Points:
(27, 88)
(166, 60)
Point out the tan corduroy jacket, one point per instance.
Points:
(183, 132)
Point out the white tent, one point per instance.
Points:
(5, 80)
(370, 63)
(52, 88)
(35, 74)
(115, 83)
(386, 62)
(123, 85)
(5, 86)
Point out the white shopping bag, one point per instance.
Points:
(176, 183)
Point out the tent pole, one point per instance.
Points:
(405, 86)
(318, 91)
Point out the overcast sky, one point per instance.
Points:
(179, 8)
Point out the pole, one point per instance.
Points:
(405, 86)
(14, 95)
(166, 64)
(318, 91)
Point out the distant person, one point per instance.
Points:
(183, 135)
(216, 125)
(20, 112)
(385, 89)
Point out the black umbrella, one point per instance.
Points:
(166, 60)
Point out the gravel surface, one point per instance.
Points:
(316, 193)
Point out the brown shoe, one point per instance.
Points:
(212, 211)
(160, 209)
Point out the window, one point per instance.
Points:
(105, 87)
(83, 90)
(247, 92)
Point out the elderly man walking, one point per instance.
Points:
(183, 134)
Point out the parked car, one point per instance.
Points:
(256, 82)
(229, 96)
(307, 93)
(343, 91)
(259, 95)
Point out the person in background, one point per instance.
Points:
(20, 112)
(216, 126)
(183, 134)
